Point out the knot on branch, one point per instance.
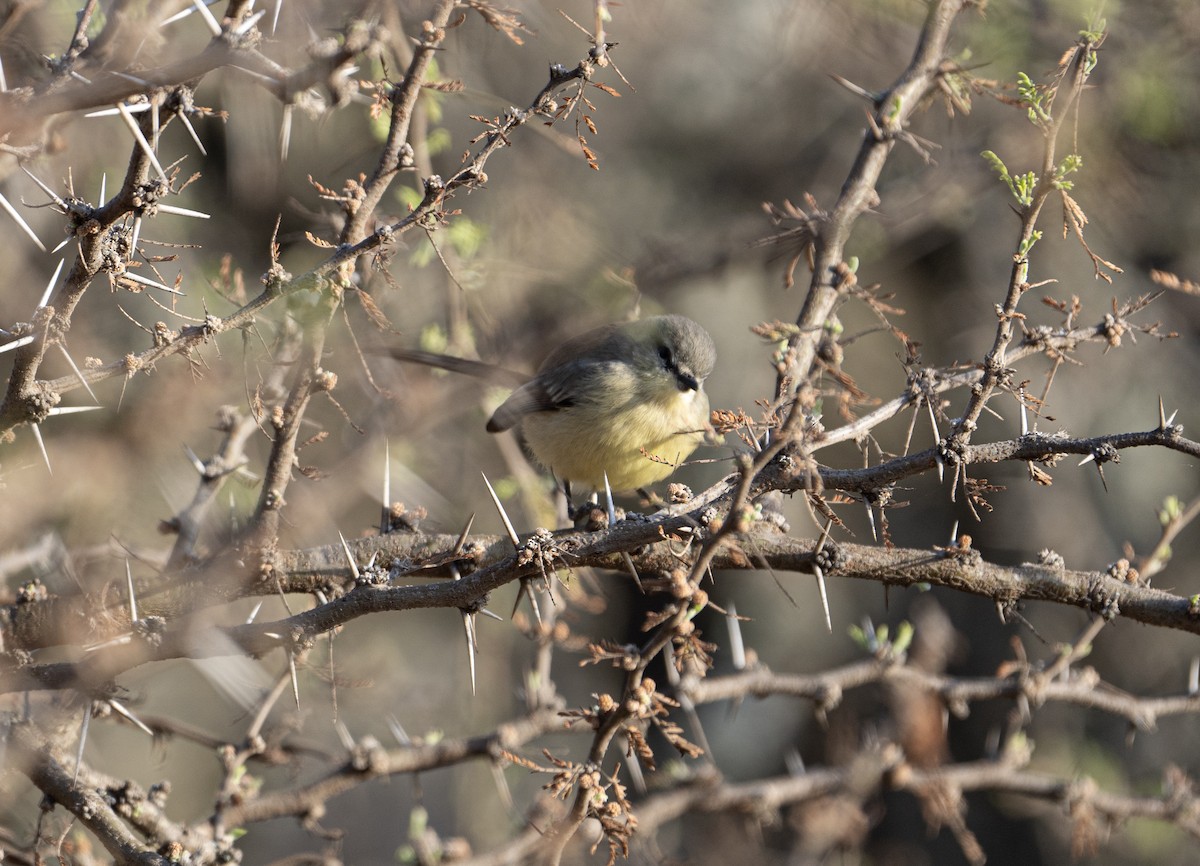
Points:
(541, 549)
(125, 799)
(369, 756)
(829, 556)
(950, 452)
(38, 403)
(1106, 453)
(1103, 598)
(150, 630)
(1051, 559)
(32, 591)
(1114, 328)
(1121, 570)
(372, 574)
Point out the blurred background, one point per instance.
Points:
(728, 105)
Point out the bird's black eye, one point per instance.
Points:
(664, 352)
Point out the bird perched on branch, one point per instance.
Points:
(624, 401)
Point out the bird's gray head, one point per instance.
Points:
(683, 348)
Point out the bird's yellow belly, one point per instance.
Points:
(581, 444)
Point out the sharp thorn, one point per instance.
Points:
(512, 533)
(285, 133)
(612, 513)
(83, 731)
(37, 434)
(472, 646)
(349, 556)
(183, 211)
(138, 723)
(295, 678)
(385, 517)
(20, 221)
(194, 459)
(737, 646)
(133, 611)
(129, 275)
(465, 534)
(141, 140)
(820, 575)
(16, 344)
(50, 285)
(633, 570)
(202, 8)
(245, 26)
(187, 124)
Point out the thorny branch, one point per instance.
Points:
(673, 551)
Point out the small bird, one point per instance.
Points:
(624, 401)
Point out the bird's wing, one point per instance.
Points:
(556, 388)
(530, 397)
(479, 369)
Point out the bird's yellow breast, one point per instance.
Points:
(584, 442)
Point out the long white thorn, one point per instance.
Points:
(137, 233)
(133, 611)
(737, 646)
(16, 344)
(472, 646)
(72, 410)
(37, 434)
(349, 556)
(20, 221)
(148, 282)
(194, 459)
(245, 26)
(214, 26)
(179, 16)
(136, 108)
(285, 133)
(53, 196)
(608, 499)
(187, 124)
(78, 373)
(141, 140)
(83, 732)
(295, 677)
(138, 723)
(182, 211)
(50, 285)
(820, 575)
(140, 82)
(385, 517)
(508, 527)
